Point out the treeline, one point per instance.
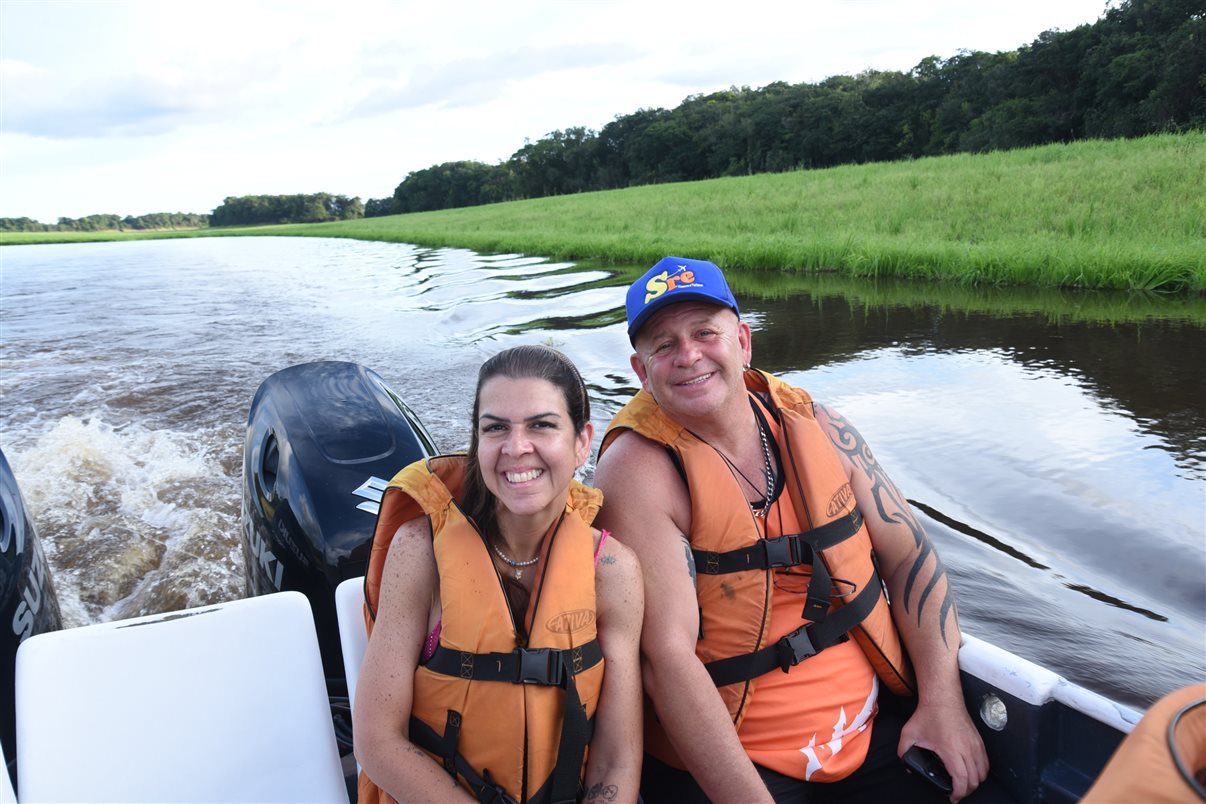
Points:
(247, 210)
(104, 223)
(251, 210)
(1141, 68)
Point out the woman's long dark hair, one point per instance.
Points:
(518, 363)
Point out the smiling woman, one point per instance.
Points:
(503, 621)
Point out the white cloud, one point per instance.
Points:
(133, 106)
(479, 79)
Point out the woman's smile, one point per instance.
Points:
(523, 477)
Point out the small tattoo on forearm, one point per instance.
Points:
(690, 559)
(601, 792)
(607, 560)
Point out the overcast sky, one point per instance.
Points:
(130, 107)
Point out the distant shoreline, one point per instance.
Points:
(1099, 214)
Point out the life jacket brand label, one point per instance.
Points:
(664, 283)
(570, 622)
(839, 501)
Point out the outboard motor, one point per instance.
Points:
(323, 439)
(28, 603)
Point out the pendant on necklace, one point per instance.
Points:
(516, 565)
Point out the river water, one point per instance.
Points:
(1059, 463)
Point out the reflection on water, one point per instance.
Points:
(1053, 442)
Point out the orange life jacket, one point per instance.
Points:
(502, 717)
(1164, 758)
(733, 560)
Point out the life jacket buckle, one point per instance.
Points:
(780, 552)
(794, 648)
(540, 666)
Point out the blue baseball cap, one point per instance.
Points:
(673, 280)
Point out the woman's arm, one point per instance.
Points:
(385, 690)
(613, 769)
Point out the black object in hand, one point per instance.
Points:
(929, 765)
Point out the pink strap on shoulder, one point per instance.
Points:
(602, 538)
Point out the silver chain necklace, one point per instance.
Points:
(513, 564)
(770, 474)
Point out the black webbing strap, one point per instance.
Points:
(566, 778)
(452, 735)
(820, 587)
(547, 667)
(792, 550)
(807, 640)
(783, 551)
(484, 788)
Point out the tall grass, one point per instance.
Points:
(1056, 305)
(1105, 214)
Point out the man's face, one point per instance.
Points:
(690, 356)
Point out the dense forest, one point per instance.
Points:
(246, 210)
(1139, 69)
(251, 210)
(102, 223)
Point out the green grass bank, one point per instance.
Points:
(1102, 214)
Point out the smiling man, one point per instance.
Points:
(772, 675)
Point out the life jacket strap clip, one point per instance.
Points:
(543, 666)
(784, 552)
(794, 648)
(551, 667)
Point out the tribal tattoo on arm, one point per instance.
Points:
(893, 508)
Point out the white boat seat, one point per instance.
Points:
(219, 703)
(353, 639)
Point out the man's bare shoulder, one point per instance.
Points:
(643, 494)
(628, 442)
(632, 460)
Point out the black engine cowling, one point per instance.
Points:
(28, 603)
(322, 440)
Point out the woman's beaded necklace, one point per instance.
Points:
(513, 564)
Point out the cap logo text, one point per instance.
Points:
(664, 283)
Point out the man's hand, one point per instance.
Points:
(946, 729)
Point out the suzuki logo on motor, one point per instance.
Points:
(265, 557)
(664, 283)
(23, 618)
